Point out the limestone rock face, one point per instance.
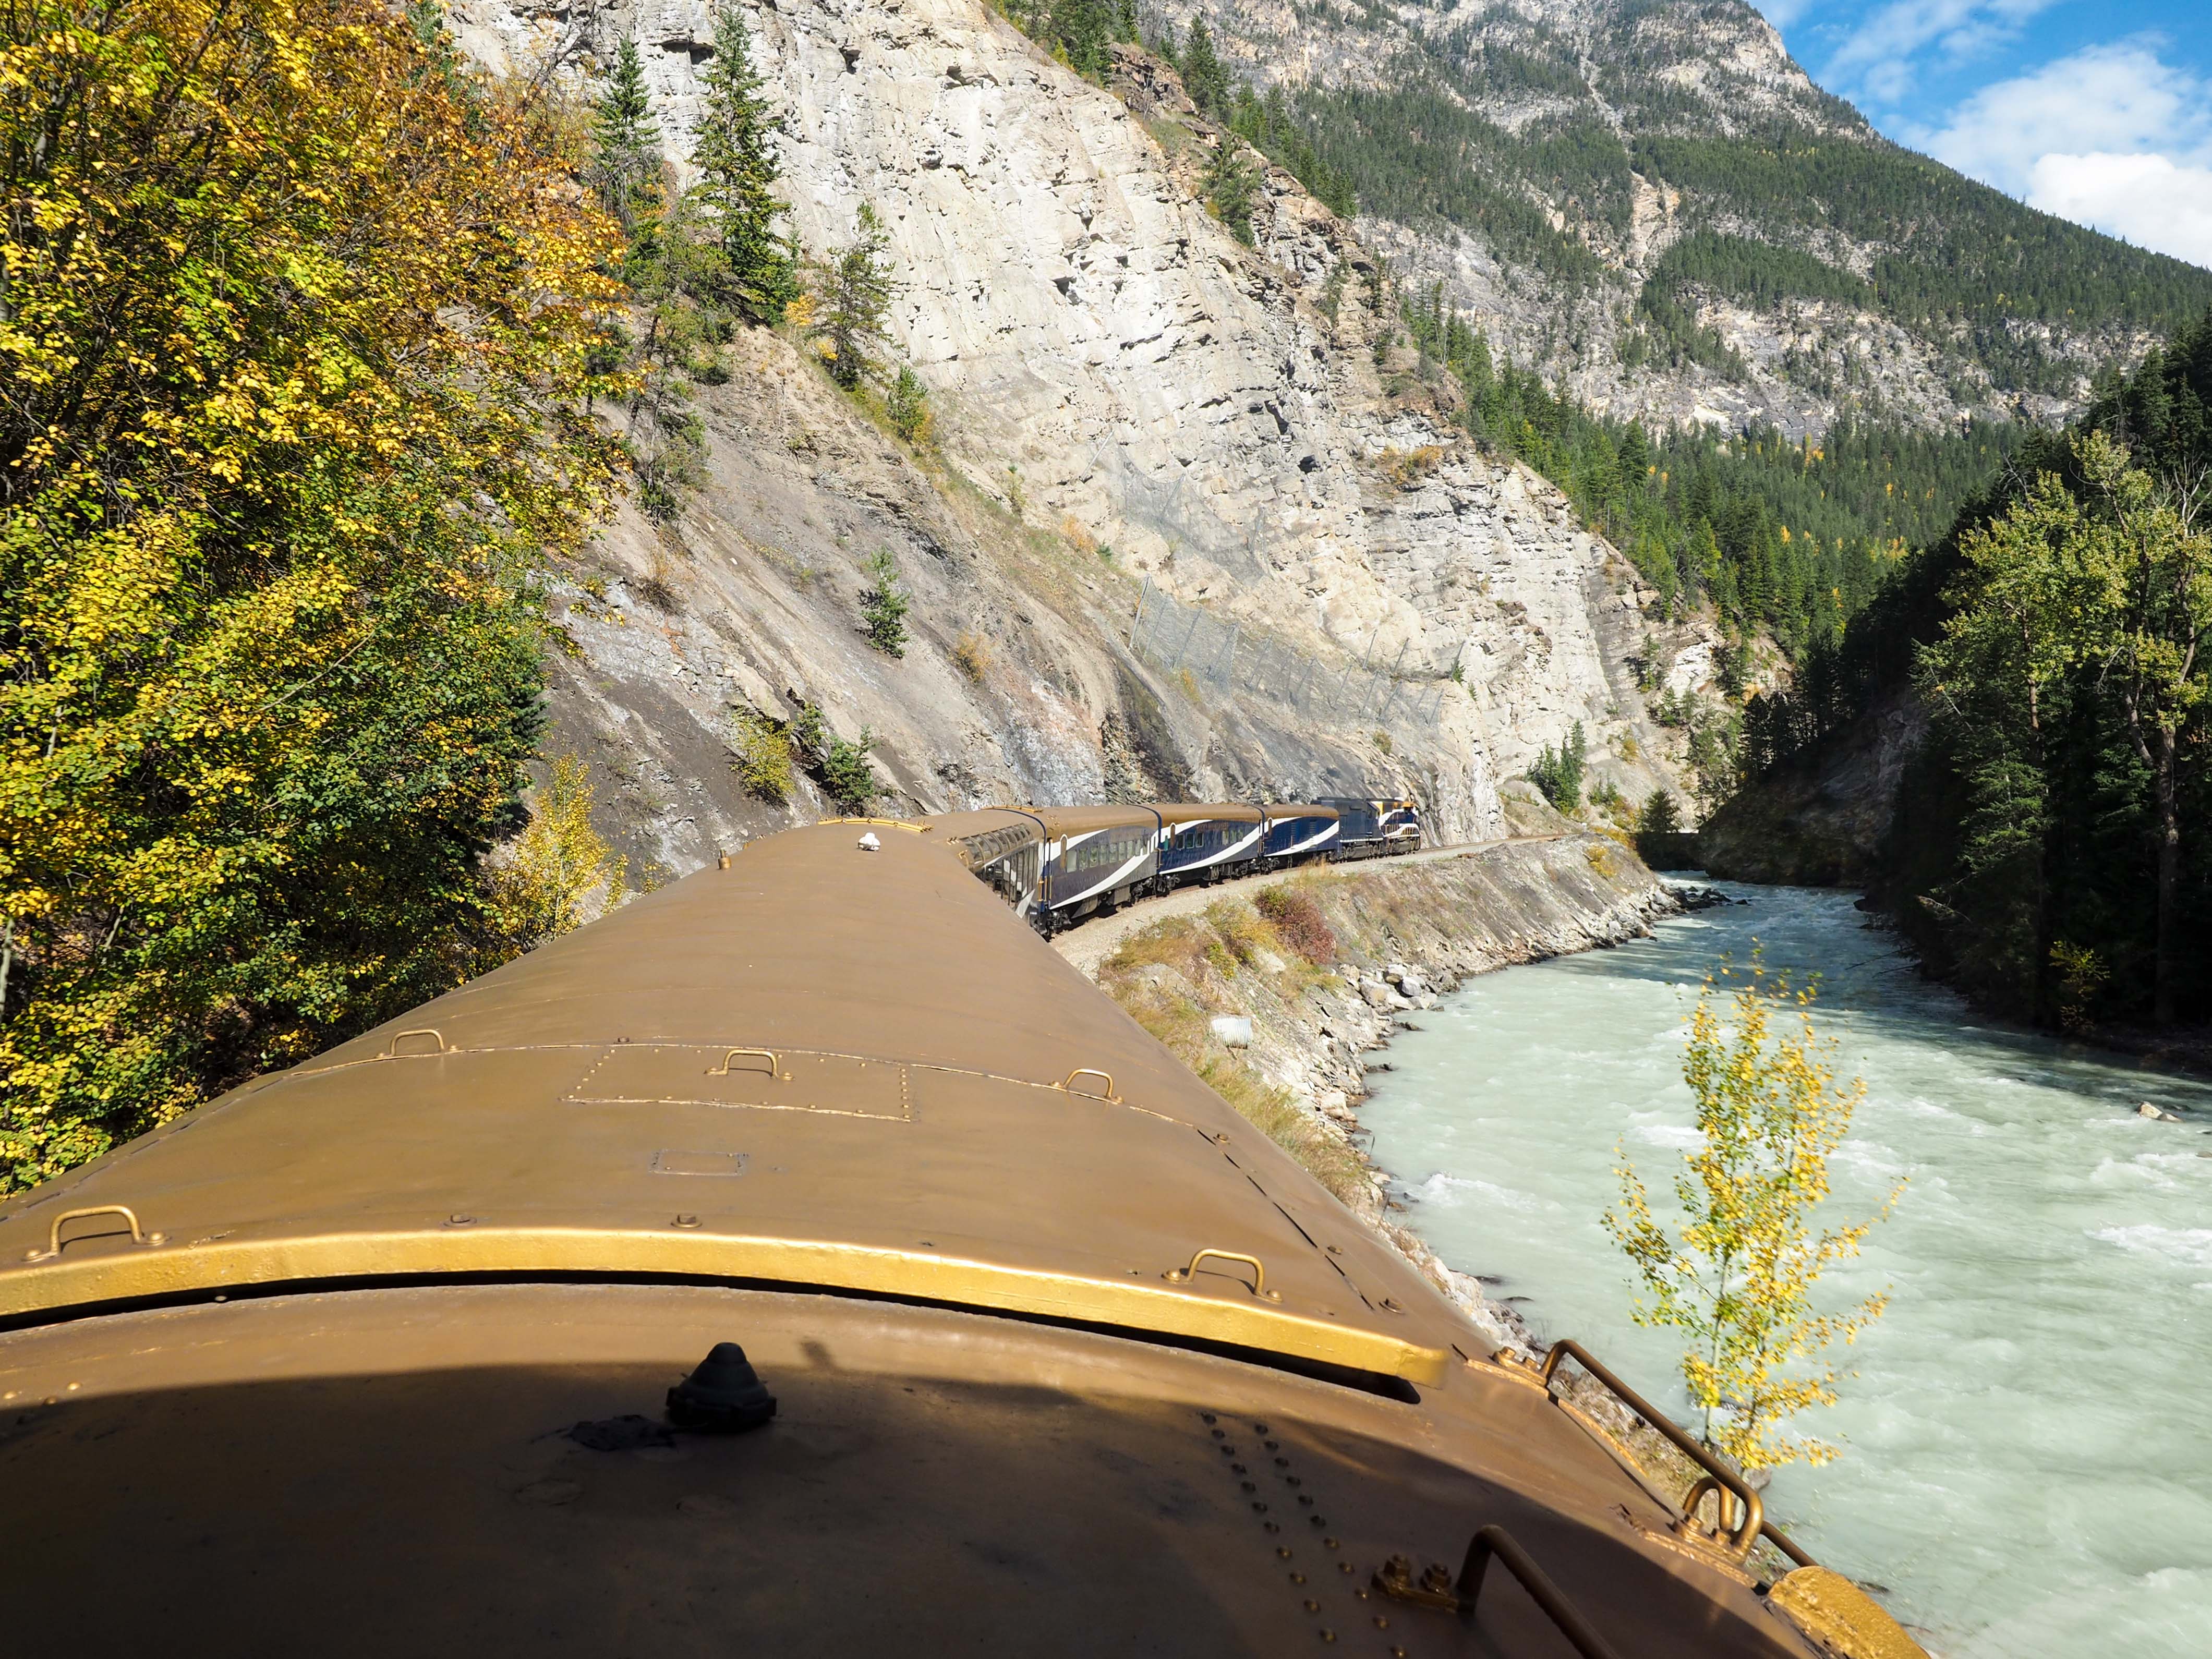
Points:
(1106, 359)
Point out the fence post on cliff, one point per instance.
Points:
(1195, 613)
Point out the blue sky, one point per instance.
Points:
(2097, 110)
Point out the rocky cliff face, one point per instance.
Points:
(1823, 820)
(1125, 397)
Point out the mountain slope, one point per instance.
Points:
(1650, 200)
(1111, 369)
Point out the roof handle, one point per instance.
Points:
(1436, 1589)
(1750, 1522)
(54, 1237)
(1184, 1275)
(774, 1066)
(1067, 1084)
(391, 1049)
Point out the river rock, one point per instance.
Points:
(1377, 994)
(2152, 1112)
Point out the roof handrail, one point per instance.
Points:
(1718, 1477)
(1437, 1589)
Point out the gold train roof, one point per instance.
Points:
(947, 1109)
(1069, 1357)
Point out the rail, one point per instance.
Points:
(1719, 1478)
(1437, 1589)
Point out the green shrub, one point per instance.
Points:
(1232, 189)
(840, 767)
(847, 777)
(906, 405)
(1560, 775)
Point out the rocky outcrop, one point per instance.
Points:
(1125, 395)
(1821, 822)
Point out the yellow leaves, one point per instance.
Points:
(294, 333)
(561, 871)
(1739, 1273)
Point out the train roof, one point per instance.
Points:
(1067, 1354)
(880, 1007)
(1187, 811)
(1303, 809)
(983, 821)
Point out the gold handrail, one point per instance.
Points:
(775, 1063)
(1067, 1083)
(1718, 1477)
(1436, 1589)
(54, 1235)
(1184, 1275)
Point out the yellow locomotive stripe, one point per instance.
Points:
(1133, 1303)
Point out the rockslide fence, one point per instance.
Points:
(1184, 639)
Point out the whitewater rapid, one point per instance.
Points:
(2026, 1469)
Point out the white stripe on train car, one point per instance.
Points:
(1315, 839)
(1113, 880)
(1223, 855)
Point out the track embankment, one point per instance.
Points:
(1326, 962)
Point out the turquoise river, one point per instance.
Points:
(2026, 1468)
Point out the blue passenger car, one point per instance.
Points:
(1296, 833)
(1208, 843)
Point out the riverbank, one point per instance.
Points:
(1328, 965)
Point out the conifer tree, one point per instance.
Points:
(854, 298)
(1203, 75)
(735, 148)
(626, 168)
(1233, 189)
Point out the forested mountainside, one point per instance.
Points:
(1650, 202)
(2009, 744)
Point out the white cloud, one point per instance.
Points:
(2111, 136)
(2117, 99)
(2151, 200)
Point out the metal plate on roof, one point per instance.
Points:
(773, 1079)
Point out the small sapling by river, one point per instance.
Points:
(1738, 1272)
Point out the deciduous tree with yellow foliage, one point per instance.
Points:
(293, 390)
(1739, 1274)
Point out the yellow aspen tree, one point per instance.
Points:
(1738, 1272)
(560, 865)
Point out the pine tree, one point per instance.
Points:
(1203, 76)
(858, 293)
(626, 168)
(735, 148)
(1232, 188)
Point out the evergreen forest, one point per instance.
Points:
(2051, 850)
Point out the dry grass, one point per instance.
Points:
(1219, 955)
(1298, 922)
(972, 656)
(1405, 468)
